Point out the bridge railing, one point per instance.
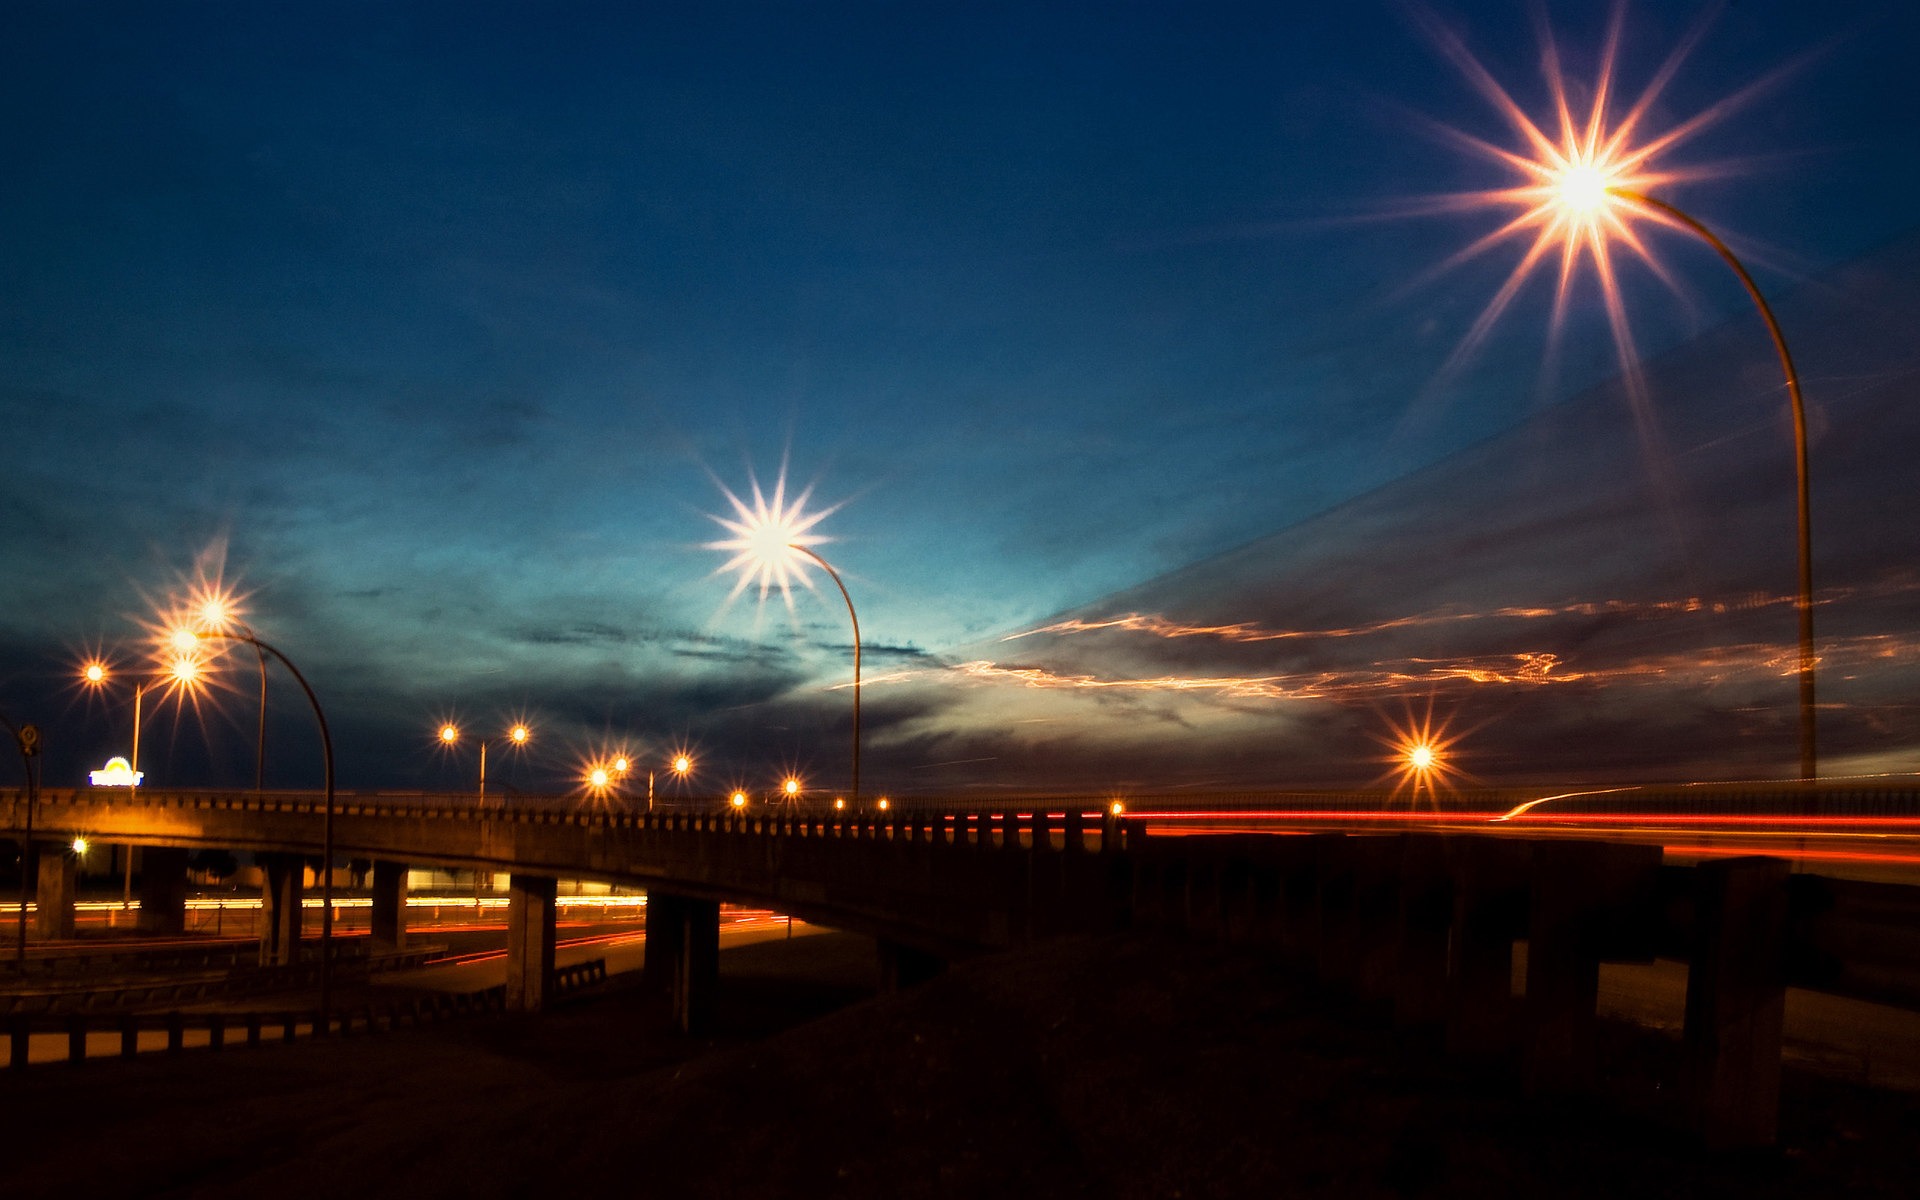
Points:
(128, 1034)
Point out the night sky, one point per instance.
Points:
(1162, 453)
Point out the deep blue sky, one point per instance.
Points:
(442, 322)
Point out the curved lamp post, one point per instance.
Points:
(1586, 197)
(1583, 188)
(26, 738)
(213, 607)
(1809, 758)
(326, 836)
(771, 541)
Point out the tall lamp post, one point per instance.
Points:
(214, 607)
(1582, 191)
(771, 543)
(517, 736)
(183, 672)
(326, 835)
(26, 738)
(1590, 199)
(680, 765)
(1803, 491)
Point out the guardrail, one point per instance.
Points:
(122, 1031)
(97, 996)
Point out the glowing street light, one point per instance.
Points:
(243, 634)
(211, 606)
(516, 736)
(1583, 191)
(182, 673)
(738, 800)
(681, 764)
(772, 543)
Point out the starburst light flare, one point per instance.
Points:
(1584, 184)
(1421, 756)
(1582, 179)
(772, 540)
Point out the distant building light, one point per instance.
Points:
(117, 773)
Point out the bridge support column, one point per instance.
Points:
(280, 912)
(1736, 1001)
(666, 930)
(530, 925)
(163, 891)
(1425, 922)
(696, 975)
(57, 874)
(903, 966)
(1589, 898)
(683, 956)
(389, 906)
(1489, 915)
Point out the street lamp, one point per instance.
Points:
(516, 736)
(215, 608)
(183, 673)
(26, 739)
(681, 765)
(772, 542)
(326, 836)
(1581, 192)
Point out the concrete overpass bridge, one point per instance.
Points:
(1423, 923)
(928, 887)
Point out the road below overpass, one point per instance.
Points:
(475, 961)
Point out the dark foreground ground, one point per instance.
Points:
(1084, 1068)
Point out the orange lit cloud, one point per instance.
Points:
(1247, 631)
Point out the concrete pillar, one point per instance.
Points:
(389, 918)
(1303, 860)
(280, 914)
(530, 925)
(1736, 1001)
(57, 877)
(666, 930)
(903, 966)
(1425, 923)
(1490, 878)
(163, 891)
(696, 974)
(1590, 900)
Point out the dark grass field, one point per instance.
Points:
(1114, 1067)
